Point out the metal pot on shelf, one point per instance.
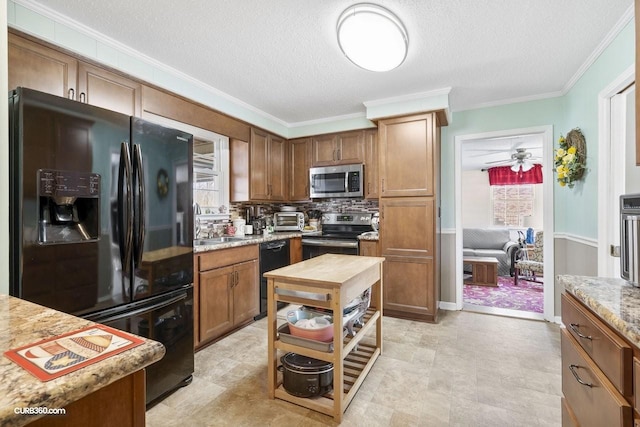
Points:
(304, 376)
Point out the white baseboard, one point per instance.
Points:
(448, 306)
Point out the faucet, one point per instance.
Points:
(196, 212)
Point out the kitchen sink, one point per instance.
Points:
(223, 239)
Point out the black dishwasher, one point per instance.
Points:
(273, 255)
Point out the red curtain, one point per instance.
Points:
(503, 175)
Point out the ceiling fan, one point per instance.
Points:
(521, 159)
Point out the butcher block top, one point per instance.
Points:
(22, 323)
(330, 271)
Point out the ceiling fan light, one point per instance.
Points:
(515, 167)
(372, 37)
(527, 166)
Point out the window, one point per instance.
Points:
(210, 167)
(209, 178)
(511, 203)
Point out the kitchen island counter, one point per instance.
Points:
(23, 323)
(329, 281)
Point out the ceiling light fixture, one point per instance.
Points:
(525, 165)
(372, 37)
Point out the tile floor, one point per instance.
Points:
(470, 369)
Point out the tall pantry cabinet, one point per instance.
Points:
(409, 172)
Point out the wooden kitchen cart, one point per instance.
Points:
(329, 281)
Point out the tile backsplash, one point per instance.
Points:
(324, 205)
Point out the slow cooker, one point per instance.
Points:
(306, 377)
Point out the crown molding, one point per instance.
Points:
(528, 98)
(611, 35)
(325, 120)
(102, 38)
(602, 46)
(408, 97)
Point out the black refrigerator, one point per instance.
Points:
(101, 223)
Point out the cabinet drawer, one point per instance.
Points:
(222, 257)
(612, 355)
(598, 403)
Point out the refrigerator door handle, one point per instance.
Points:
(142, 202)
(125, 208)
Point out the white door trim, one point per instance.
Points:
(604, 161)
(548, 226)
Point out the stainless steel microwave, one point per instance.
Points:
(337, 181)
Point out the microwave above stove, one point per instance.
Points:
(337, 181)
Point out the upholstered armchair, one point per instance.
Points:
(533, 263)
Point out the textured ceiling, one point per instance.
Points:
(282, 58)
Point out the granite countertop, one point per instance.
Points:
(252, 239)
(22, 323)
(206, 245)
(370, 236)
(614, 300)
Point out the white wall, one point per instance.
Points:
(476, 202)
(476, 199)
(632, 172)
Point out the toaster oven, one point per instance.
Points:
(288, 221)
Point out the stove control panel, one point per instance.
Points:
(347, 218)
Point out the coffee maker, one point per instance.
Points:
(68, 206)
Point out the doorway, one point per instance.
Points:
(474, 143)
(616, 160)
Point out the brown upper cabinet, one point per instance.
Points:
(109, 90)
(267, 172)
(299, 162)
(338, 149)
(407, 147)
(39, 67)
(371, 164)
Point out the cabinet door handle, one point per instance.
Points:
(231, 279)
(237, 279)
(83, 97)
(572, 368)
(72, 93)
(339, 154)
(382, 186)
(333, 155)
(574, 327)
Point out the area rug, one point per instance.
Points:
(527, 296)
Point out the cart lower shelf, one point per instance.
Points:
(357, 365)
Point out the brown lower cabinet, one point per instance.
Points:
(227, 291)
(407, 241)
(121, 403)
(295, 250)
(370, 248)
(597, 370)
